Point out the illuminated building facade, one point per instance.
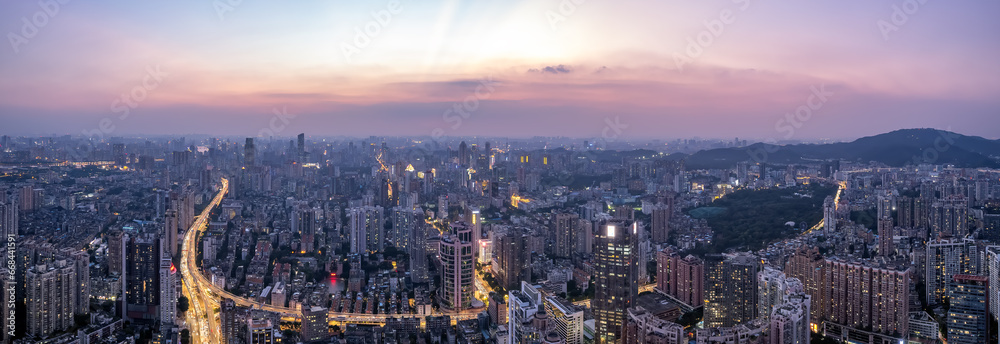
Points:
(616, 269)
(968, 316)
(457, 267)
(731, 289)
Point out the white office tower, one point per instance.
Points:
(475, 221)
(521, 308)
(168, 292)
(485, 251)
(567, 318)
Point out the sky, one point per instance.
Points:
(756, 69)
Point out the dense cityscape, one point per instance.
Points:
(500, 172)
(492, 240)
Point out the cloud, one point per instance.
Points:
(560, 69)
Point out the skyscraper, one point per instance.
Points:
(168, 292)
(497, 309)
(681, 277)
(463, 154)
(249, 153)
(731, 289)
(232, 322)
(141, 280)
(884, 203)
(616, 269)
(404, 222)
(790, 321)
(773, 287)
(886, 232)
(457, 267)
(945, 258)
(950, 216)
(511, 256)
(523, 304)
(866, 294)
(993, 267)
(442, 207)
(807, 265)
(118, 150)
(170, 226)
(564, 226)
(968, 316)
(912, 212)
(418, 254)
(81, 260)
(665, 272)
(302, 148)
(367, 231)
(585, 237)
(303, 221)
(117, 240)
(660, 223)
(8, 220)
(51, 298)
(568, 320)
(829, 215)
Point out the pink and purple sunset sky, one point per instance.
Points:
(556, 71)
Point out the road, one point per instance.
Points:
(201, 321)
(205, 296)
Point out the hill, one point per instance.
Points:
(897, 148)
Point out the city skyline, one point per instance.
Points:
(500, 172)
(523, 69)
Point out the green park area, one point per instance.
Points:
(752, 219)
